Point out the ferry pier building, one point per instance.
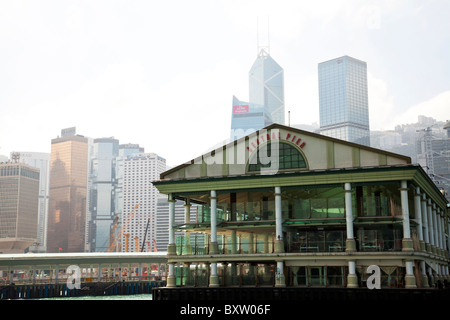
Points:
(286, 207)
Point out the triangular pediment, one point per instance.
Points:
(281, 149)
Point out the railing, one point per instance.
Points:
(242, 247)
(317, 246)
(379, 245)
(300, 247)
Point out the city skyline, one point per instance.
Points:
(113, 62)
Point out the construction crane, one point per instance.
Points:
(145, 235)
(122, 230)
(127, 237)
(136, 239)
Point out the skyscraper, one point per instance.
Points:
(19, 191)
(102, 204)
(266, 86)
(68, 193)
(41, 161)
(266, 97)
(247, 118)
(343, 100)
(139, 170)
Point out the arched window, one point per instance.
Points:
(289, 158)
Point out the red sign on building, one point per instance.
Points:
(240, 109)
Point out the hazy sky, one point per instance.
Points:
(163, 73)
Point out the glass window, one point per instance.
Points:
(289, 158)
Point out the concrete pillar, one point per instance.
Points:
(213, 277)
(426, 237)
(187, 220)
(424, 274)
(279, 243)
(430, 226)
(438, 232)
(57, 273)
(418, 214)
(233, 242)
(350, 244)
(171, 281)
(430, 272)
(10, 275)
(352, 278)
(435, 229)
(442, 232)
(280, 280)
(213, 247)
(266, 242)
(171, 248)
(410, 279)
(407, 243)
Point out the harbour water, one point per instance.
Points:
(111, 297)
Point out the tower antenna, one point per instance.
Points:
(263, 47)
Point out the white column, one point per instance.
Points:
(426, 237)
(407, 241)
(350, 242)
(439, 229)
(213, 278)
(280, 280)
(430, 224)
(187, 220)
(171, 249)
(213, 206)
(57, 273)
(435, 228)
(418, 214)
(441, 219)
(279, 244)
(410, 279)
(233, 242)
(171, 281)
(352, 279)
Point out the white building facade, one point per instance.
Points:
(140, 201)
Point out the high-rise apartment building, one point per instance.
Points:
(343, 100)
(266, 98)
(185, 214)
(41, 161)
(68, 193)
(140, 200)
(19, 193)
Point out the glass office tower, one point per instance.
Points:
(68, 193)
(247, 118)
(266, 86)
(343, 100)
(266, 98)
(102, 193)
